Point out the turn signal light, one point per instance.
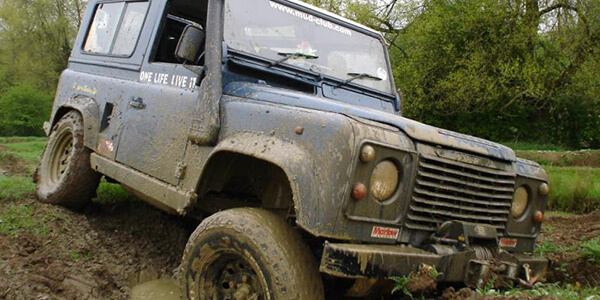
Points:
(538, 217)
(359, 190)
(544, 189)
(367, 153)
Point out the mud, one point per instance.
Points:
(10, 164)
(99, 254)
(161, 289)
(567, 263)
(469, 294)
(117, 250)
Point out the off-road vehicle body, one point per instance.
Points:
(279, 123)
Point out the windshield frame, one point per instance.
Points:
(339, 20)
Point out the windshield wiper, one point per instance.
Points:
(358, 76)
(288, 55)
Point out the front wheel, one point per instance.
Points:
(64, 176)
(248, 254)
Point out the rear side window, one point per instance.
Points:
(116, 28)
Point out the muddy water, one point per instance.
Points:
(161, 289)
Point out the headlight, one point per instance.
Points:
(384, 180)
(520, 202)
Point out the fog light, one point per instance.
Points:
(538, 217)
(359, 191)
(544, 189)
(367, 153)
(520, 202)
(384, 180)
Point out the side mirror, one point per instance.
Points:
(190, 44)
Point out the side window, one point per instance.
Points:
(116, 28)
(179, 15)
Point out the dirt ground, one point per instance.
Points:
(98, 254)
(102, 252)
(567, 264)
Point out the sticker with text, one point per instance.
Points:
(385, 232)
(168, 79)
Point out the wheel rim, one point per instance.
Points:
(60, 156)
(232, 277)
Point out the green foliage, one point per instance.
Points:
(35, 40)
(548, 247)
(482, 67)
(24, 109)
(401, 283)
(488, 287)
(574, 189)
(15, 187)
(21, 217)
(533, 146)
(109, 193)
(591, 249)
(28, 149)
(556, 290)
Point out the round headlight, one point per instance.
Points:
(384, 180)
(520, 201)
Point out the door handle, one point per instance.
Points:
(137, 103)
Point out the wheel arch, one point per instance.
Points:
(245, 150)
(89, 110)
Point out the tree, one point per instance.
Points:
(35, 40)
(23, 109)
(503, 69)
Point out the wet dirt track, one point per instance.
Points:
(111, 247)
(99, 254)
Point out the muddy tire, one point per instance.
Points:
(248, 254)
(64, 176)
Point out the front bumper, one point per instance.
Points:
(384, 261)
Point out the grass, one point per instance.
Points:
(109, 193)
(15, 187)
(591, 249)
(400, 285)
(574, 189)
(22, 217)
(567, 292)
(581, 158)
(528, 146)
(28, 149)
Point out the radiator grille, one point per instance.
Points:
(450, 190)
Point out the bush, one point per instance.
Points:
(23, 110)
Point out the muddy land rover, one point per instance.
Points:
(278, 125)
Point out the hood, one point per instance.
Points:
(417, 131)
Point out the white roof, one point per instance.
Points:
(298, 2)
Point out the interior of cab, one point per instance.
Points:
(179, 14)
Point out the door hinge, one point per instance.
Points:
(180, 170)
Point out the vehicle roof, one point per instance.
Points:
(325, 12)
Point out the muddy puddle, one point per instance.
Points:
(161, 289)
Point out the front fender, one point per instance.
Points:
(296, 164)
(313, 148)
(89, 110)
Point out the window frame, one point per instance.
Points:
(114, 38)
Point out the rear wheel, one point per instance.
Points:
(64, 176)
(248, 254)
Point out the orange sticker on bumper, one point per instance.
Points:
(508, 243)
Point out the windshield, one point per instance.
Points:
(276, 31)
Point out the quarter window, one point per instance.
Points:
(116, 28)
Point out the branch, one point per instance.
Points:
(568, 6)
(557, 6)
